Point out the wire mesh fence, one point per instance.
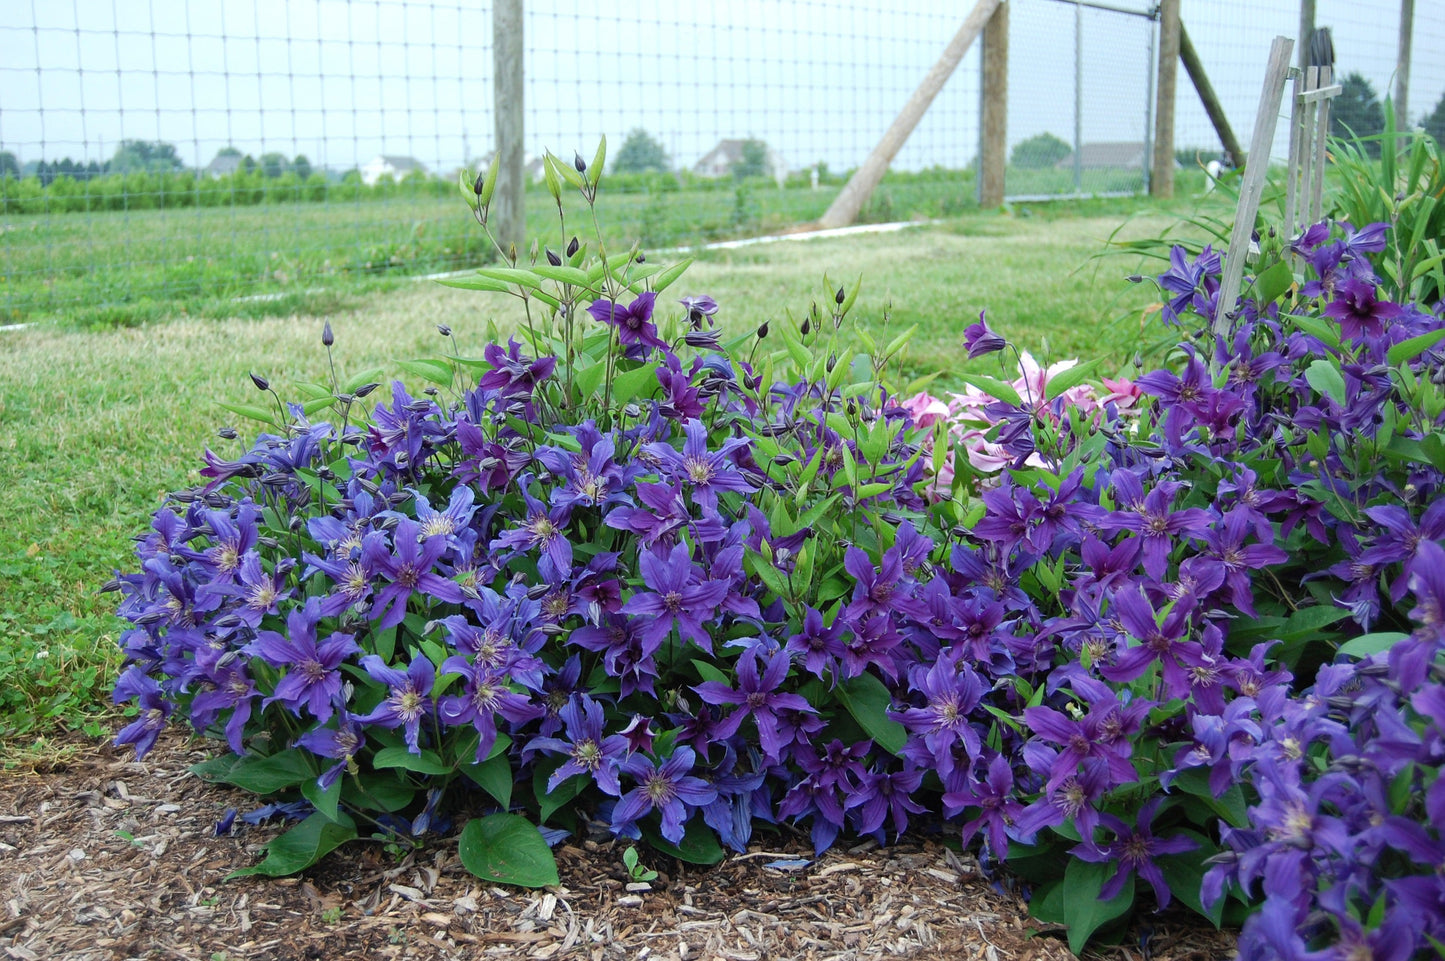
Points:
(165, 154)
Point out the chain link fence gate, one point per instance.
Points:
(1091, 136)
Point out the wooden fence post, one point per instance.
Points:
(993, 154)
(508, 203)
(1402, 66)
(860, 186)
(1161, 175)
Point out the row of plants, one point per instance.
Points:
(633, 572)
(181, 189)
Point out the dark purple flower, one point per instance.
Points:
(1359, 313)
(543, 529)
(951, 689)
(756, 696)
(993, 796)
(884, 796)
(341, 743)
(635, 328)
(978, 340)
(699, 310)
(817, 645)
(153, 710)
(666, 788)
(1191, 283)
(511, 373)
(1134, 850)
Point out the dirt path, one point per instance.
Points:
(103, 857)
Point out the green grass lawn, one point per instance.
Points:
(96, 425)
(114, 268)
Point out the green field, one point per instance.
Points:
(97, 424)
(125, 267)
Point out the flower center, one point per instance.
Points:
(438, 524)
(659, 789)
(313, 671)
(699, 471)
(587, 753)
(408, 704)
(672, 600)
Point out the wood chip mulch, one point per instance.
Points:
(104, 857)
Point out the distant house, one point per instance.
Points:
(720, 161)
(1107, 155)
(224, 165)
(388, 165)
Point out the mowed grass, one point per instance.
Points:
(97, 425)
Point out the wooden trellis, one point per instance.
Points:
(1309, 126)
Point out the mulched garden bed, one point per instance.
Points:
(104, 857)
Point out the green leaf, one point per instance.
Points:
(512, 275)
(508, 849)
(326, 802)
(1407, 350)
(550, 802)
(489, 183)
(427, 762)
(710, 673)
(1184, 873)
(1230, 805)
(378, 791)
(1072, 377)
(360, 379)
(994, 388)
(565, 275)
(436, 371)
(1084, 913)
(868, 701)
(477, 283)
(468, 187)
(267, 775)
(494, 776)
(254, 412)
(1320, 330)
(666, 279)
(1367, 644)
(301, 847)
(1272, 282)
(698, 846)
(594, 172)
(1325, 378)
(627, 386)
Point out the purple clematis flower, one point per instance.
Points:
(485, 696)
(1134, 850)
(340, 743)
(979, 340)
(1358, 311)
(678, 595)
(409, 701)
(587, 749)
(666, 788)
(635, 329)
(314, 678)
(700, 310)
(756, 695)
(411, 569)
(705, 472)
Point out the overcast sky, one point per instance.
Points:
(820, 81)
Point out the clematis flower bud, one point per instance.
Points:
(327, 338)
(840, 296)
(553, 259)
(572, 247)
(260, 382)
(579, 163)
(763, 330)
(444, 330)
